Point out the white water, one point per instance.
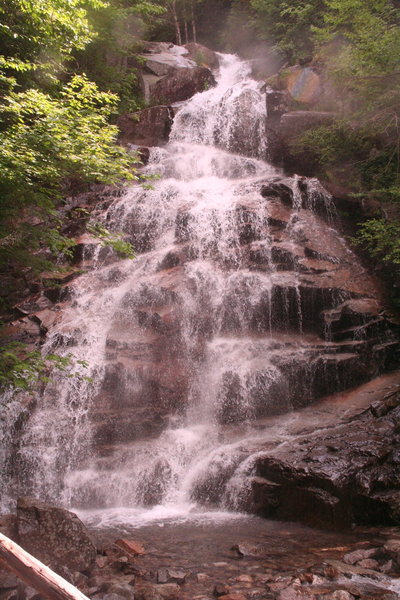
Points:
(199, 210)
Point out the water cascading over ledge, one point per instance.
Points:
(243, 303)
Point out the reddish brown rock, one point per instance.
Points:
(131, 546)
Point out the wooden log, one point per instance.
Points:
(35, 574)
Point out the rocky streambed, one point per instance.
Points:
(333, 464)
(234, 558)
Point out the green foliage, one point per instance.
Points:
(111, 59)
(112, 240)
(381, 238)
(47, 143)
(287, 25)
(359, 46)
(23, 369)
(334, 143)
(45, 32)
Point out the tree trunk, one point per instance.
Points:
(36, 574)
(176, 23)
(194, 32)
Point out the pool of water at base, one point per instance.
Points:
(206, 543)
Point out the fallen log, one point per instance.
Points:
(35, 574)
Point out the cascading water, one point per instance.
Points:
(207, 330)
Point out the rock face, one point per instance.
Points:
(54, 535)
(288, 127)
(302, 84)
(181, 84)
(285, 123)
(202, 56)
(317, 288)
(295, 123)
(174, 73)
(349, 474)
(148, 127)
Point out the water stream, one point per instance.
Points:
(191, 343)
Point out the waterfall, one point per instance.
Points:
(210, 330)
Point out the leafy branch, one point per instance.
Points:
(22, 368)
(112, 240)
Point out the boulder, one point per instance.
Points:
(304, 84)
(181, 84)
(54, 535)
(202, 56)
(131, 546)
(285, 126)
(148, 127)
(165, 591)
(334, 477)
(160, 58)
(294, 123)
(301, 84)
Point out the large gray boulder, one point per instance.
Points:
(54, 535)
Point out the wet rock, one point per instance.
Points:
(292, 593)
(368, 563)
(166, 591)
(8, 580)
(202, 56)
(121, 590)
(177, 576)
(246, 136)
(160, 58)
(101, 561)
(162, 576)
(131, 546)
(244, 579)
(392, 547)
(8, 526)
(221, 589)
(247, 549)
(277, 105)
(34, 305)
(110, 597)
(278, 190)
(351, 558)
(181, 84)
(31, 594)
(338, 595)
(13, 594)
(148, 127)
(54, 535)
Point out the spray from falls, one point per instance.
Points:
(209, 330)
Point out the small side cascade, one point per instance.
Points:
(242, 304)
